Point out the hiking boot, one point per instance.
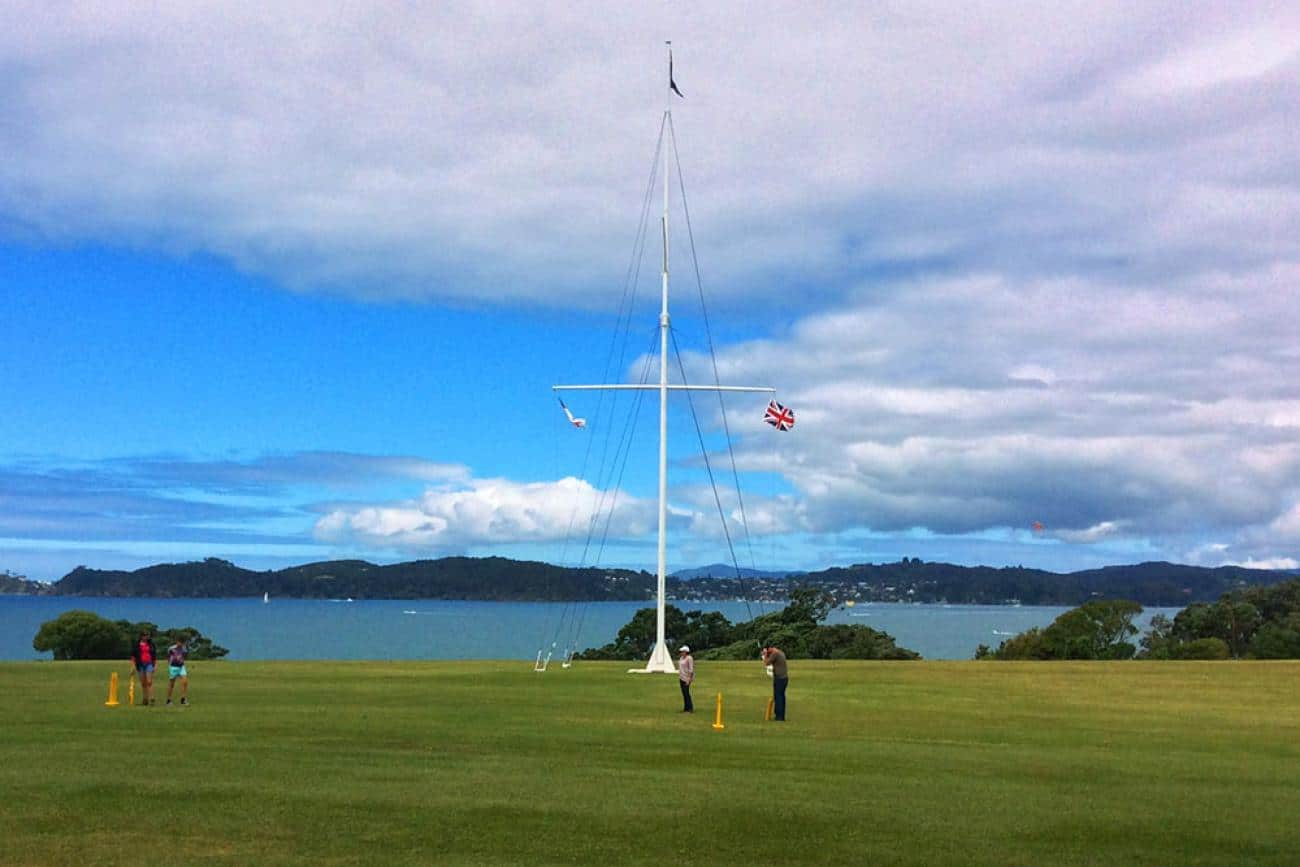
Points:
(169, 701)
(185, 701)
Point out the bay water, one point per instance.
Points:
(439, 629)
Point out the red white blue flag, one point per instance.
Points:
(778, 416)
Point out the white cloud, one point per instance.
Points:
(1142, 415)
(1243, 55)
(1095, 533)
(1271, 563)
(486, 512)
(1029, 264)
(499, 154)
(1287, 526)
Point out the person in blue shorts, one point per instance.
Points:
(176, 655)
(143, 656)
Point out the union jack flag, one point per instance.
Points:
(778, 416)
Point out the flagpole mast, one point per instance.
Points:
(660, 659)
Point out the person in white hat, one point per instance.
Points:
(685, 677)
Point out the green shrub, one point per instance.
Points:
(85, 635)
(1275, 641)
(1204, 648)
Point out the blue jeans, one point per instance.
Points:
(686, 696)
(778, 696)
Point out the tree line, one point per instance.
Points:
(484, 578)
(86, 635)
(1260, 622)
(797, 629)
(913, 580)
(504, 579)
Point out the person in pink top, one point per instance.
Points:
(685, 677)
(144, 655)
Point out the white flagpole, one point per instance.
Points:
(660, 660)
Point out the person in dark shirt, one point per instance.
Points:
(144, 656)
(772, 656)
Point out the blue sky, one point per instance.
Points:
(282, 285)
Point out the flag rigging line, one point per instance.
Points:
(620, 339)
(704, 452)
(713, 357)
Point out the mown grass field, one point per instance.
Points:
(490, 763)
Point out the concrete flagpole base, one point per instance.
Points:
(660, 662)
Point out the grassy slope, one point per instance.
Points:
(490, 763)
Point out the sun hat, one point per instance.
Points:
(683, 649)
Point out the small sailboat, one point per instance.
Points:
(266, 598)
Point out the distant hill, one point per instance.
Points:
(20, 585)
(488, 578)
(724, 570)
(501, 579)
(1161, 584)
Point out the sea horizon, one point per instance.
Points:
(440, 629)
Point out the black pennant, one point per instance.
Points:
(672, 84)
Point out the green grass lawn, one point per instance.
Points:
(490, 763)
